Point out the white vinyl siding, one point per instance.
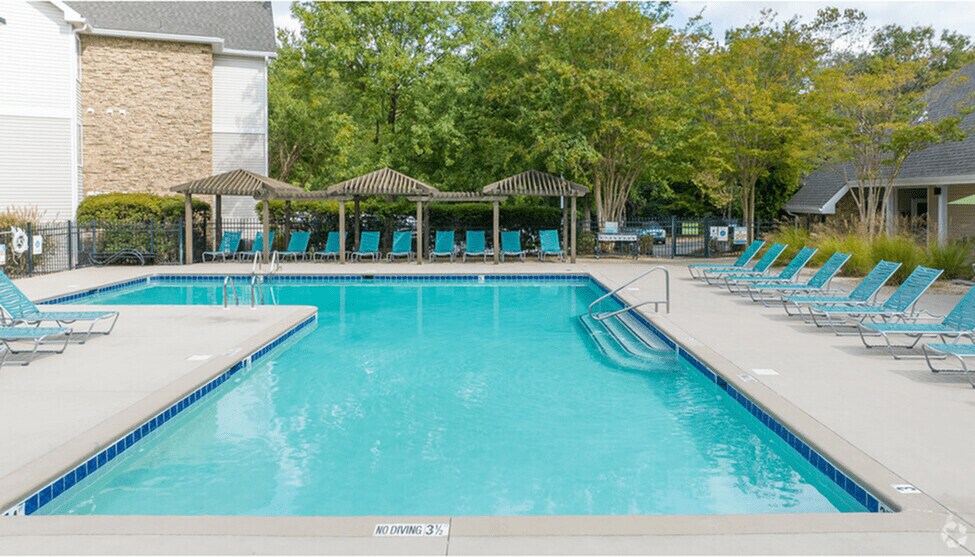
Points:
(38, 103)
(35, 165)
(239, 95)
(239, 123)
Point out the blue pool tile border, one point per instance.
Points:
(48, 493)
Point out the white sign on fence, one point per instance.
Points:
(3, 254)
(741, 235)
(719, 233)
(37, 247)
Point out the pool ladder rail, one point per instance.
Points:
(600, 316)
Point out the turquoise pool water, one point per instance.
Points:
(451, 399)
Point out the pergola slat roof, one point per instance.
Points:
(246, 183)
(464, 196)
(538, 183)
(384, 181)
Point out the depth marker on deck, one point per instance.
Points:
(430, 530)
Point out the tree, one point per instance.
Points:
(877, 105)
(591, 91)
(759, 105)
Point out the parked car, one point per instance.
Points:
(658, 234)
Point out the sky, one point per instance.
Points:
(723, 15)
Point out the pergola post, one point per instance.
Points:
(217, 221)
(358, 225)
(188, 224)
(267, 229)
(287, 221)
(497, 231)
(419, 232)
(341, 231)
(565, 225)
(572, 232)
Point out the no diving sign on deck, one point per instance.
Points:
(432, 530)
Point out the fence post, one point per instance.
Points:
(30, 251)
(707, 238)
(673, 237)
(181, 261)
(70, 250)
(152, 237)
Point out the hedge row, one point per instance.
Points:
(138, 207)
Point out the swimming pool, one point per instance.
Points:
(452, 397)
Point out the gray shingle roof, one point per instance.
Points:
(955, 158)
(242, 25)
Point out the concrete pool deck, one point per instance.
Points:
(883, 421)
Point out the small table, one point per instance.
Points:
(631, 239)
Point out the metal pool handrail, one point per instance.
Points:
(228, 280)
(656, 303)
(258, 264)
(255, 290)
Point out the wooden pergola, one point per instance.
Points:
(236, 182)
(384, 181)
(537, 183)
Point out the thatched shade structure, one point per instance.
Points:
(384, 181)
(537, 183)
(236, 182)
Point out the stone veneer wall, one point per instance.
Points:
(164, 137)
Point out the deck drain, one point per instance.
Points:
(905, 488)
(199, 357)
(764, 371)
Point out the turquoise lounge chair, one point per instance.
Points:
(898, 307)
(862, 294)
(368, 246)
(402, 246)
(297, 245)
(550, 245)
(18, 309)
(37, 336)
(443, 246)
(943, 350)
(736, 283)
(229, 243)
(257, 246)
(960, 322)
(511, 245)
(697, 269)
(715, 276)
(474, 244)
(819, 283)
(333, 247)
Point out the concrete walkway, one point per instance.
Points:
(885, 421)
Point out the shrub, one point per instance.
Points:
(137, 207)
(860, 261)
(795, 238)
(955, 258)
(900, 249)
(20, 217)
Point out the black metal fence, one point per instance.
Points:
(667, 237)
(59, 246)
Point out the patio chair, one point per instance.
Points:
(257, 246)
(715, 276)
(37, 336)
(941, 351)
(368, 246)
(402, 246)
(550, 245)
(862, 294)
(789, 273)
(474, 245)
(297, 245)
(18, 309)
(511, 245)
(443, 245)
(899, 307)
(333, 247)
(819, 283)
(958, 323)
(696, 269)
(229, 243)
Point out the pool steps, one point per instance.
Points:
(621, 345)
